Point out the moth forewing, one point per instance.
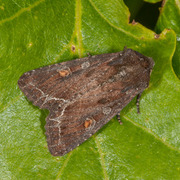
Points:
(84, 94)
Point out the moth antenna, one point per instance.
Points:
(119, 119)
(138, 102)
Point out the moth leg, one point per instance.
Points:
(137, 102)
(119, 119)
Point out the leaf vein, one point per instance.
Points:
(102, 161)
(153, 134)
(64, 165)
(78, 14)
(21, 12)
(118, 28)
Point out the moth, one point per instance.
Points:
(84, 94)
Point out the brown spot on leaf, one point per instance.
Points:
(163, 3)
(73, 48)
(156, 36)
(134, 22)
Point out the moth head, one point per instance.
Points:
(138, 68)
(146, 62)
(134, 57)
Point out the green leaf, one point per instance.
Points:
(170, 18)
(39, 33)
(152, 1)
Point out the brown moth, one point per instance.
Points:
(82, 95)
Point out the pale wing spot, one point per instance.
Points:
(85, 65)
(106, 110)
